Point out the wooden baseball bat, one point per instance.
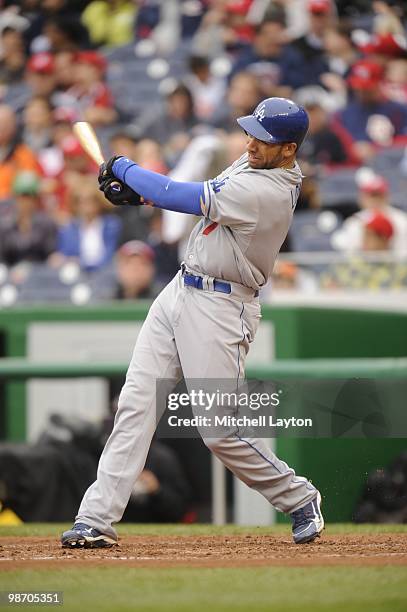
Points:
(89, 141)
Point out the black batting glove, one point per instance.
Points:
(119, 193)
(106, 169)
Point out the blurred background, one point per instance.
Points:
(163, 82)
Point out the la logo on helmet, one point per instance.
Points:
(260, 112)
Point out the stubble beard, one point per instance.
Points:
(274, 163)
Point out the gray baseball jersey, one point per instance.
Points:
(247, 214)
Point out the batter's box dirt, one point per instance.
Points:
(211, 551)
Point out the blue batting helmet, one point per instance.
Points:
(277, 120)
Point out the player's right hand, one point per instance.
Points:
(118, 193)
(106, 169)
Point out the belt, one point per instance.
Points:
(197, 281)
(192, 280)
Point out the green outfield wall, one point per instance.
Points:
(337, 466)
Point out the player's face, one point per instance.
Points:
(265, 156)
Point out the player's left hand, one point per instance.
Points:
(118, 193)
(106, 169)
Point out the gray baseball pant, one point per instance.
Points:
(197, 334)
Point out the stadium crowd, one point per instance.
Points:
(163, 82)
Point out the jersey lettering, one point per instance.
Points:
(218, 184)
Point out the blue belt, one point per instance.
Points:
(191, 280)
(196, 281)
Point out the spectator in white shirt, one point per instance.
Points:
(374, 195)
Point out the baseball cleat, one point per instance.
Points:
(308, 521)
(83, 536)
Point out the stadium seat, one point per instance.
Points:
(388, 159)
(338, 188)
(311, 230)
(398, 188)
(43, 285)
(133, 82)
(103, 284)
(124, 53)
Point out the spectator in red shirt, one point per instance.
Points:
(89, 93)
(69, 172)
(240, 27)
(381, 47)
(390, 51)
(40, 75)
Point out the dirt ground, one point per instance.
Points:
(210, 551)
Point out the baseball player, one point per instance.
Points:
(202, 323)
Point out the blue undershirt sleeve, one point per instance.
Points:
(160, 189)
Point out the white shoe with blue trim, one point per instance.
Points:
(83, 536)
(308, 521)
